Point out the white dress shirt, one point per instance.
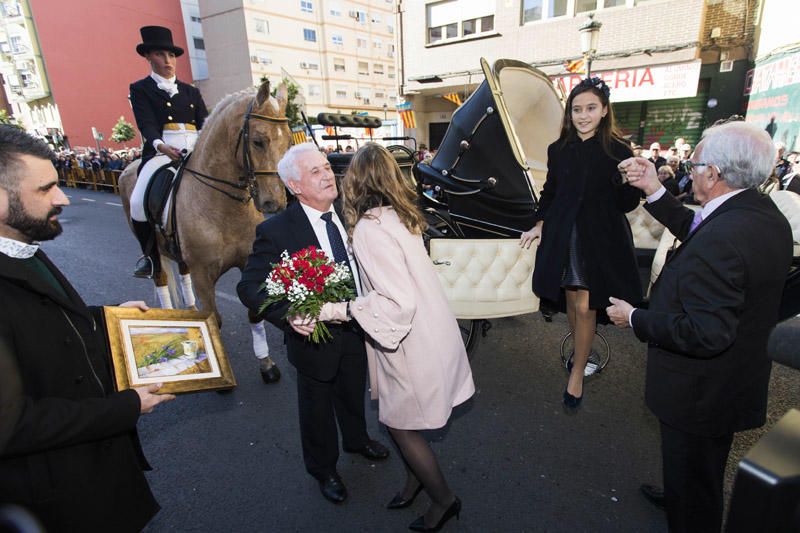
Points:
(320, 228)
(17, 249)
(709, 208)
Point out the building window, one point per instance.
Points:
(582, 6)
(487, 23)
(199, 43)
(261, 56)
(380, 94)
(390, 29)
(261, 26)
(533, 10)
(12, 9)
(336, 11)
(390, 50)
(614, 3)
(362, 43)
(361, 16)
(391, 71)
(309, 66)
(16, 44)
(341, 92)
(337, 39)
(377, 68)
(310, 35)
(338, 64)
(314, 90)
(377, 44)
(306, 6)
(363, 68)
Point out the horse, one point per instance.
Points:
(229, 183)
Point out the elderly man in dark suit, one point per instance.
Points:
(710, 315)
(331, 377)
(72, 456)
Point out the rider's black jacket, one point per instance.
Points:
(153, 108)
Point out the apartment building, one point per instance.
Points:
(341, 53)
(673, 65)
(24, 87)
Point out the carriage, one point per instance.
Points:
(479, 193)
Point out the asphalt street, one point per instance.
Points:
(232, 462)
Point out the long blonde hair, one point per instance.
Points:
(374, 179)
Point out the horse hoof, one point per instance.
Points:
(271, 374)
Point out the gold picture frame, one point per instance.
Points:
(180, 348)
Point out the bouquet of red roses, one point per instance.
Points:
(307, 279)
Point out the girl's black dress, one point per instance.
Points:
(586, 239)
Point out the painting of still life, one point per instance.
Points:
(174, 351)
(178, 348)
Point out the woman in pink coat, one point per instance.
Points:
(418, 366)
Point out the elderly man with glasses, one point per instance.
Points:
(711, 311)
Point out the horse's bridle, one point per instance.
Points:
(248, 182)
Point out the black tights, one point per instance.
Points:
(422, 468)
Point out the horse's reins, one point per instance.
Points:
(248, 182)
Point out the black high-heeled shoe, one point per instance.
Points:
(399, 503)
(453, 510)
(571, 403)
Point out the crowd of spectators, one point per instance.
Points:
(91, 160)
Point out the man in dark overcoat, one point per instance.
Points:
(711, 311)
(331, 377)
(72, 457)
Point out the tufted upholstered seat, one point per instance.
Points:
(485, 278)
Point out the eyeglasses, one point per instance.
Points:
(692, 167)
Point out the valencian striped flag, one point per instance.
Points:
(407, 115)
(575, 66)
(330, 130)
(369, 132)
(299, 136)
(453, 97)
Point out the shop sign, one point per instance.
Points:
(657, 82)
(775, 98)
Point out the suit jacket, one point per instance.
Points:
(711, 312)
(153, 107)
(73, 457)
(289, 230)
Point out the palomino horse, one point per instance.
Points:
(230, 181)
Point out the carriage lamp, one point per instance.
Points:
(590, 35)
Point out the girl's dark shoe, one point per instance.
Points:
(453, 510)
(572, 402)
(399, 503)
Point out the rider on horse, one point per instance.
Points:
(169, 114)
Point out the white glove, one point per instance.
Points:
(333, 312)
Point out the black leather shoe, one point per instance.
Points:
(144, 268)
(453, 510)
(399, 503)
(372, 450)
(270, 374)
(654, 495)
(332, 488)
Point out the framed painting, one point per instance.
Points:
(180, 348)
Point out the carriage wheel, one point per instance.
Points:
(471, 332)
(599, 356)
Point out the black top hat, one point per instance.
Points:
(157, 38)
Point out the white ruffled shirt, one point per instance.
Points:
(17, 249)
(170, 86)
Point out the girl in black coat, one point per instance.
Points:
(586, 252)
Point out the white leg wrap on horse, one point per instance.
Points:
(186, 289)
(163, 297)
(260, 346)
